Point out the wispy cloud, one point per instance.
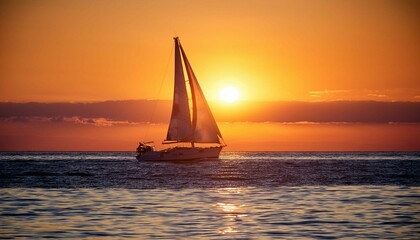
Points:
(328, 92)
(366, 94)
(323, 93)
(377, 95)
(99, 122)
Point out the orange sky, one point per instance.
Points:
(270, 50)
(58, 50)
(44, 135)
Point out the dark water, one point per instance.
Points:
(235, 169)
(264, 195)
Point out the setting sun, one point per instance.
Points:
(229, 94)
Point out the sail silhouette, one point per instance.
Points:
(192, 124)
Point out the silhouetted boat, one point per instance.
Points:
(200, 128)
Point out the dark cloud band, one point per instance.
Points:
(158, 111)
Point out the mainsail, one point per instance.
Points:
(203, 128)
(180, 125)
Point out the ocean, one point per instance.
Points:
(242, 195)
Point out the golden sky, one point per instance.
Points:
(85, 50)
(302, 52)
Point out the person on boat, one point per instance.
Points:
(143, 148)
(140, 149)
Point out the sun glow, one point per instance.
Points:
(229, 94)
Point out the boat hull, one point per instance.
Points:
(181, 153)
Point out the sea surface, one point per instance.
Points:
(242, 195)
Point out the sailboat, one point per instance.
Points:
(193, 125)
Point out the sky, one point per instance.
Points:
(271, 51)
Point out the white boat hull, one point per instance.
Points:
(181, 153)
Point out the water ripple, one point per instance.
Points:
(248, 213)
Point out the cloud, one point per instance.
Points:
(100, 122)
(367, 94)
(136, 111)
(377, 95)
(328, 92)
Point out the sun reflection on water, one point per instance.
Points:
(233, 212)
(228, 230)
(229, 207)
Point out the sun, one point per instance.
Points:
(229, 94)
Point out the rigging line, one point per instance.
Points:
(158, 94)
